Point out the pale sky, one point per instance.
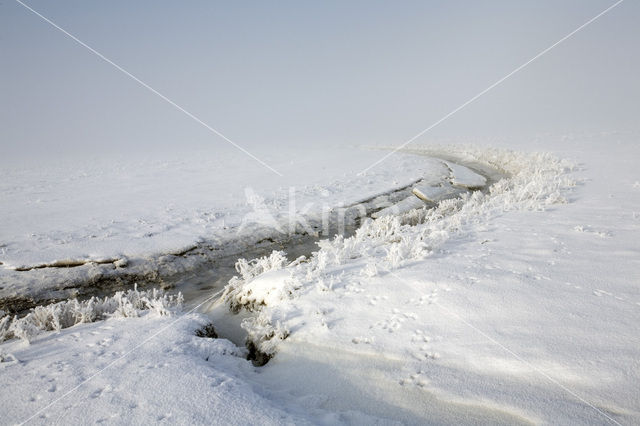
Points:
(270, 74)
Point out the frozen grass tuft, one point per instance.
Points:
(240, 293)
(57, 316)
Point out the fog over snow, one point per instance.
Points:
(308, 74)
(172, 180)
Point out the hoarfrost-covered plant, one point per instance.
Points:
(259, 285)
(263, 334)
(66, 314)
(5, 323)
(533, 182)
(242, 292)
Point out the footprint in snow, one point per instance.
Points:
(98, 392)
(105, 342)
(417, 379)
(419, 336)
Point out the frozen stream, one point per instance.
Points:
(210, 268)
(198, 285)
(203, 287)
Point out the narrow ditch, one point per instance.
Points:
(228, 324)
(216, 266)
(196, 271)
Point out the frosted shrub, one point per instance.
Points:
(5, 333)
(253, 268)
(263, 337)
(66, 314)
(534, 182)
(244, 291)
(25, 330)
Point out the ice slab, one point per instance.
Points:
(436, 171)
(465, 177)
(434, 194)
(403, 206)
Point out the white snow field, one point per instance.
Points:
(519, 304)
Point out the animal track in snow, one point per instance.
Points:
(427, 298)
(362, 339)
(98, 392)
(419, 336)
(373, 300)
(423, 350)
(600, 293)
(424, 353)
(418, 379)
(394, 321)
(589, 230)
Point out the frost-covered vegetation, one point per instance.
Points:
(55, 317)
(533, 182)
(245, 292)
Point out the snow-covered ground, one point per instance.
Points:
(519, 305)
